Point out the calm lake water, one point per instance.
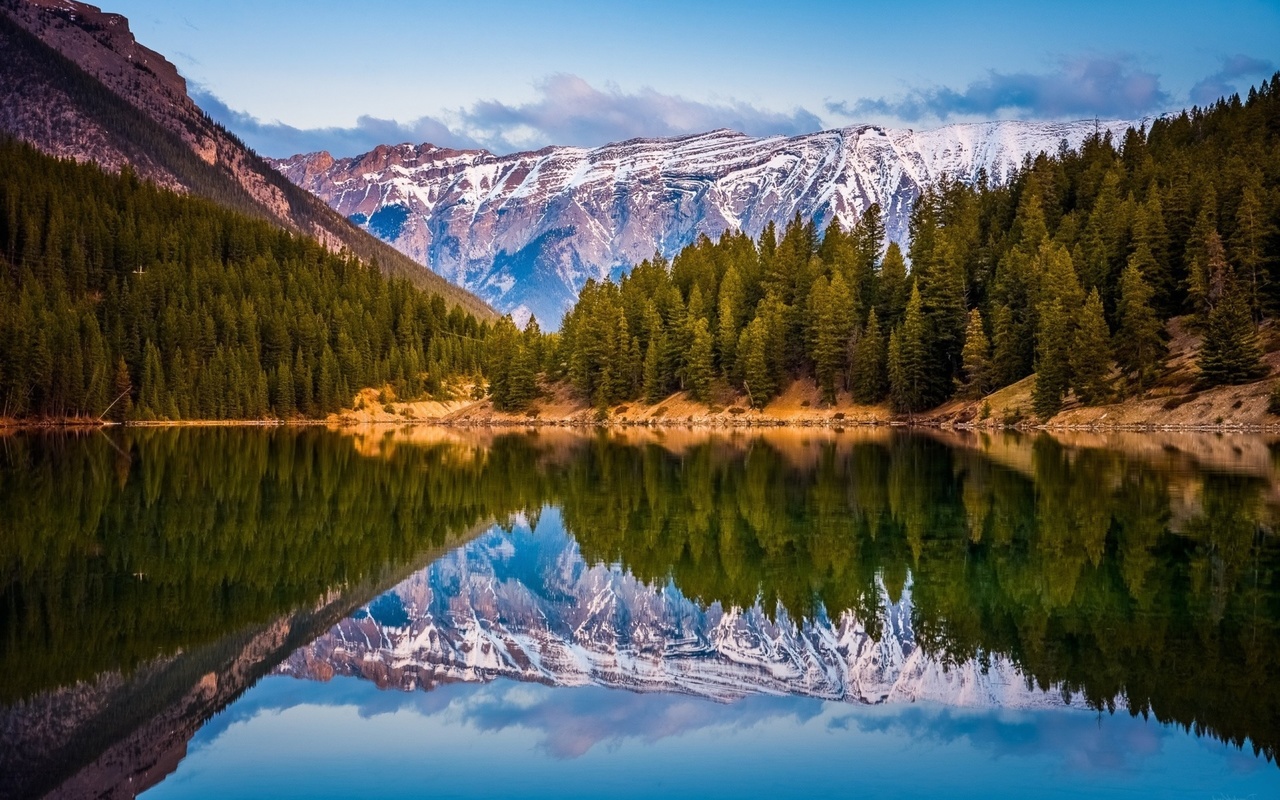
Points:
(441, 613)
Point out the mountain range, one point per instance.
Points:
(525, 231)
(522, 232)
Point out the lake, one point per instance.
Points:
(392, 611)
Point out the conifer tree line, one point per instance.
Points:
(171, 307)
(1069, 269)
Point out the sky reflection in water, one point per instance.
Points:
(290, 738)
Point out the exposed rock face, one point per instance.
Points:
(86, 89)
(102, 45)
(527, 607)
(525, 231)
(116, 55)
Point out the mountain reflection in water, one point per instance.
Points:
(151, 580)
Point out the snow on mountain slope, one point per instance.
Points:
(526, 606)
(525, 231)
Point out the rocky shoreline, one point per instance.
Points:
(1235, 409)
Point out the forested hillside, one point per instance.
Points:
(83, 91)
(115, 291)
(1070, 269)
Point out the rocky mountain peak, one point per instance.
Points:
(526, 230)
(103, 45)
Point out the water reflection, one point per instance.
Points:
(476, 740)
(149, 580)
(524, 604)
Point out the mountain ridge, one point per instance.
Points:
(75, 83)
(526, 230)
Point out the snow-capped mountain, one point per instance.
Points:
(525, 231)
(526, 606)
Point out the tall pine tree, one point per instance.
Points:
(977, 358)
(1230, 353)
(908, 358)
(870, 381)
(1091, 353)
(1139, 344)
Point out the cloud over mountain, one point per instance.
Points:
(571, 111)
(566, 111)
(1079, 87)
(277, 138)
(1224, 82)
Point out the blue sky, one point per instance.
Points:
(293, 76)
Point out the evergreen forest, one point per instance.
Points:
(1071, 268)
(122, 299)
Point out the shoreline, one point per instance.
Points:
(670, 423)
(1229, 409)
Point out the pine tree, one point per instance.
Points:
(625, 367)
(1006, 354)
(1091, 353)
(868, 243)
(1139, 343)
(122, 386)
(524, 374)
(816, 307)
(522, 379)
(892, 292)
(1248, 243)
(832, 325)
(757, 376)
(897, 377)
(1053, 368)
(908, 372)
(730, 311)
(635, 369)
(942, 289)
(1204, 258)
(1058, 279)
(655, 376)
(502, 357)
(1151, 234)
(1104, 234)
(1059, 304)
(327, 387)
(976, 357)
(285, 399)
(1030, 230)
(653, 388)
(699, 371)
(151, 404)
(869, 381)
(1230, 353)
